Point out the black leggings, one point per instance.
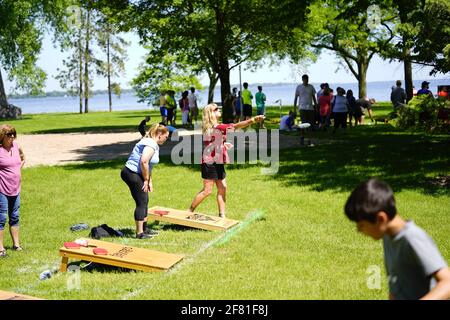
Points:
(135, 183)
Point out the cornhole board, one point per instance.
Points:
(120, 255)
(6, 295)
(190, 219)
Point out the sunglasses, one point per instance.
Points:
(11, 134)
(216, 109)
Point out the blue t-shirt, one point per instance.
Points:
(133, 162)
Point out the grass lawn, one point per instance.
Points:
(303, 248)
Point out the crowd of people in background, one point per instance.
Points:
(327, 108)
(187, 105)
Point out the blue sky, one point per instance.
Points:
(326, 69)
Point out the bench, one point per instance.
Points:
(190, 219)
(120, 255)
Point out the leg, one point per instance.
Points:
(221, 196)
(14, 220)
(135, 183)
(369, 112)
(1, 241)
(206, 191)
(3, 215)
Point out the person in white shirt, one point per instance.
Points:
(305, 94)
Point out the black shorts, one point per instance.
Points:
(213, 171)
(247, 110)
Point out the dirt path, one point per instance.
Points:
(64, 148)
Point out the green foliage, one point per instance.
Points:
(422, 26)
(160, 74)
(422, 113)
(22, 24)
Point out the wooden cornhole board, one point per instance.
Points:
(121, 256)
(6, 295)
(191, 219)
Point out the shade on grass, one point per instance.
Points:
(303, 248)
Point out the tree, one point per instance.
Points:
(215, 34)
(22, 24)
(82, 63)
(348, 32)
(422, 36)
(159, 75)
(114, 47)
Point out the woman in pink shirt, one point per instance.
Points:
(325, 107)
(215, 155)
(11, 162)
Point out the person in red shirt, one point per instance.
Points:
(215, 155)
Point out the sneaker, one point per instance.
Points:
(3, 253)
(151, 232)
(17, 248)
(143, 235)
(222, 215)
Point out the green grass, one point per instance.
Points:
(303, 248)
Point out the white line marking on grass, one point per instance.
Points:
(220, 240)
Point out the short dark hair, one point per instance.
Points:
(245, 85)
(305, 76)
(259, 87)
(368, 199)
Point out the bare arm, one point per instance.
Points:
(442, 289)
(246, 123)
(22, 156)
(147, 154)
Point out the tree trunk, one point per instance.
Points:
(86, 63)
(363, 65)
(3, 100)
(404, 7)
(109, 71)
(225, 91)
(80, 76)
(212, 85)
(407, 65)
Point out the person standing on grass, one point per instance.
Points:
(171, 107)
(260, 99)
(339, 108)
(247, 102)
(137, 174)
(324, 108)
(398, 95)
(414, 265)
(12, 160)
(193, 105)
(215, 155)
(184, 107)
(305, 94)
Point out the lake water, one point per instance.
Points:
(284, 92)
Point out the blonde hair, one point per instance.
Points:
(156, 130)
(4, 130)
(209, 117)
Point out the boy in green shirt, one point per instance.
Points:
(247, 101)
(260, 99)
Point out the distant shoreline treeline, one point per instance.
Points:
(60, 94)
(132, 91)
(56, 93)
